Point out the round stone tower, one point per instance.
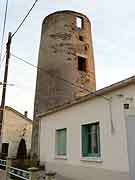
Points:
(65, 54)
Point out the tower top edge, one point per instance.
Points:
(67, 12)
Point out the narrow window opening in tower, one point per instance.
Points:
(79, 22)
(80, 38)
(81, 63)
(86, 48)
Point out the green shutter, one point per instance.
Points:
(90, 145)
(61, 142)
(84, 141)
(98, 134)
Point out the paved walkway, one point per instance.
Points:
(1, 175)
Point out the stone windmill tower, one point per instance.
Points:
(65, 53)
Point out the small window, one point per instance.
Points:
(79, 22)
(80, 38)
(91, 140)
(4, 149)
(81, 64)
(61, 142)
(86, 48)
(126, 106)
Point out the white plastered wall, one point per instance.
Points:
(114, 155)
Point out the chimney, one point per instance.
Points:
(26, 114)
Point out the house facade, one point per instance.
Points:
(92, 137)
(16, 126)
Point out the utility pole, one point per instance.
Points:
(5, 84)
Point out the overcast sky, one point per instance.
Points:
(113, 32)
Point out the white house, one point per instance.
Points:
(15, 127)
(93, 137)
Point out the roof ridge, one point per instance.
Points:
(17, 112)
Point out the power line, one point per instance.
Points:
(60, 78)
(3, 31)
(2, 60)
(24, 19)
(48, 72)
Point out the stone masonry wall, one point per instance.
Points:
(61, 44)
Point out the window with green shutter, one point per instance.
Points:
(91, 140)
(61, 141)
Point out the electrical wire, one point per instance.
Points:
(4, 26)
(3, 31)
(24, 19)
(109, 100)
(60, 78)
(2, 60)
